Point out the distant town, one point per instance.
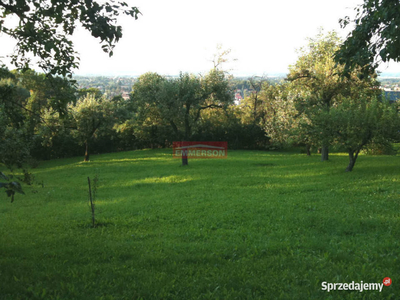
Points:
(391, 86)
(113, 86)
(109, 86)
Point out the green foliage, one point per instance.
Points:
(15, 140)
(354, 123)
(91, 118)
(36, 121)
(258, 225)
(45, 27)
(54, 137)
(14, 147)
(177, 103)
(26, 98)
(229, 124)
(281, 117)
(11, 187)
(12, 100)
(358, 122)
(95, 91)
(317, 87)
(375, 37)
(46, 92)
(379, 149)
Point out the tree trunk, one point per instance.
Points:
(324, 153)
(188, 129)
(352, 160)
(87, 151)
(255, 110)
(184, 157)
(174, 128)
(308, 149)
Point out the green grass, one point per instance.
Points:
(258, 225)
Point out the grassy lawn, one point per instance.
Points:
(258, 225)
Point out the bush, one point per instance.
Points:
(380, 149)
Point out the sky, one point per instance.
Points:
(182, 36)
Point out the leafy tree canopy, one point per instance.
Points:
(44, 28)
(318, 86)
(375, 38)
(89, 118)
(179, 102)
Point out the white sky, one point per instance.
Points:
(182, 35)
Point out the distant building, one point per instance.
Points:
(125, 95)
(238, 97)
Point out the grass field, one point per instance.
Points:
(258, 225)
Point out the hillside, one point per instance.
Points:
(253, 225)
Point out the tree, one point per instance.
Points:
(43, 30)
(179, 102)
(317, 79)
(149, 119)
(221, 58)
(15, 140)
(196, 94)
(357, 122)
(281, 116)
(320, 86)
(45, 93)
(375, 37)
(256, 85)
(45, 27)
(89, 118)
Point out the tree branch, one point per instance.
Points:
(205, 107)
